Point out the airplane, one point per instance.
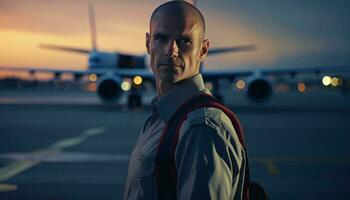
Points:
(112, 68)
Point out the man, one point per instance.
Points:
(209, 158)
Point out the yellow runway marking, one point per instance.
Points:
(36, 156)
(271, 167)
(69, 142)
(15, 168)
(7, 187)
(270, 163)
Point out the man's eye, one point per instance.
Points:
(160, 38)
(184, 42)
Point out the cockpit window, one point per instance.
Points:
(95, 60)
(131, 62)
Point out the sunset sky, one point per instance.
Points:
(287, 33)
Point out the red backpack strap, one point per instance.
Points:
(166, 172)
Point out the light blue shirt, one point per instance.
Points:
(209, 158)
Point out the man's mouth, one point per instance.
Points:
(168, 65)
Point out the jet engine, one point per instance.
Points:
(109, 89)
(259, 89)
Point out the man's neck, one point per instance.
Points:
(164, 88)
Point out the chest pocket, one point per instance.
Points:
(142, 185)
(143, 166)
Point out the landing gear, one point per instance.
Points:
(134, 98)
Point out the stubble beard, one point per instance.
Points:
(166, 80)
(169, 74)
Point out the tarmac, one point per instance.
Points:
(67, 145)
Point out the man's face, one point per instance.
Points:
(176, 47)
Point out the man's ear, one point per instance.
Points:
(148, 38)
(204, 50)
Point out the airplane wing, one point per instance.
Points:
(259, 88)
(234, 49)
(43, 70)
(128, 73)
(308, 70)
(217, 74)
(146, 74)
(210, 74)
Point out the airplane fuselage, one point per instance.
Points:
(114, 61)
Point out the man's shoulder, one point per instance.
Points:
(209, 120)
(209, 116)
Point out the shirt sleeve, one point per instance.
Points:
(208, 163)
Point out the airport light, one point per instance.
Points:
(301, 87)
(282, 87)
(209, 86)
(63, 77)
(126, 86)
(137, 80)
(240, 84)
(91, 87)
(326, 80)
(335, 82)
(93, 77)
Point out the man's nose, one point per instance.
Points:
(172, 49)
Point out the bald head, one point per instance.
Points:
(176, 42)
(182, 10)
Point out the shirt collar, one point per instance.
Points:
(169, 103)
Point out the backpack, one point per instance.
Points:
(165, 170)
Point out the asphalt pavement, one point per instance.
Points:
(61, 149)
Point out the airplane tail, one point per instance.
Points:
(92, 27)
(74, 49)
